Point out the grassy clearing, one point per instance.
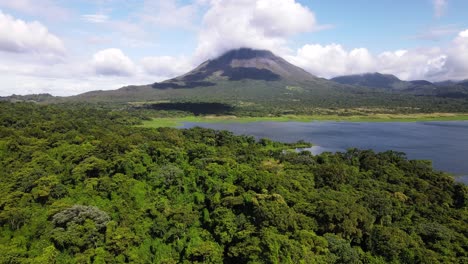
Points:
(177, 121)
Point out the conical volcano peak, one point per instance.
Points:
(236, 65)
(246, 58)
(245, 54)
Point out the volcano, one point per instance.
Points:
(237, 65)
(241, 74)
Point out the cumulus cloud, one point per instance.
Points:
(439, 7)
(335, 60)
(166, 66)
(463, 34)
(281, 18)
(433, 64)
(65, 85)
(458, 56)
(332, 60)
(438, 63)
(19, 36)
(113, 62)
(65, 78)
(422, 63)
(263, 24)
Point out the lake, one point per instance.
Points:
(444, 143)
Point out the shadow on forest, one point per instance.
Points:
(195, 108)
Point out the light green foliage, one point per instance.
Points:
(84, 185)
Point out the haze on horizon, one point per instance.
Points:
(70, 47)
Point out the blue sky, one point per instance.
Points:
(385, 24)
(67, 47)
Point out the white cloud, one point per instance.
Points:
(63, 79)
(108, 70)
(332, 60)
(458, 56)
(19, 36)
(65, 86)
(281, 18)
(263, 24)
(166, 66)
(434, 64)
(113, 62)
(42, 8)
(463, 34)
(422, 63)
(440, 7)
(95, 18)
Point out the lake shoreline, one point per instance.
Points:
(443, 143)
(178, 121)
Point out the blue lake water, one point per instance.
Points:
(444, 143)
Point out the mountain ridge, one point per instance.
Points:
(377, 80)
(448, 89)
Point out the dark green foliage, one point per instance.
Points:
(83, 185)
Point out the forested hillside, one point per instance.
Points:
(83, 185)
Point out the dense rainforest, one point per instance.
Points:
(85, 185)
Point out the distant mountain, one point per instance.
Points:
(374, 80)
(446, 83)
(379, 80)
(421, 82)
(450, 89)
